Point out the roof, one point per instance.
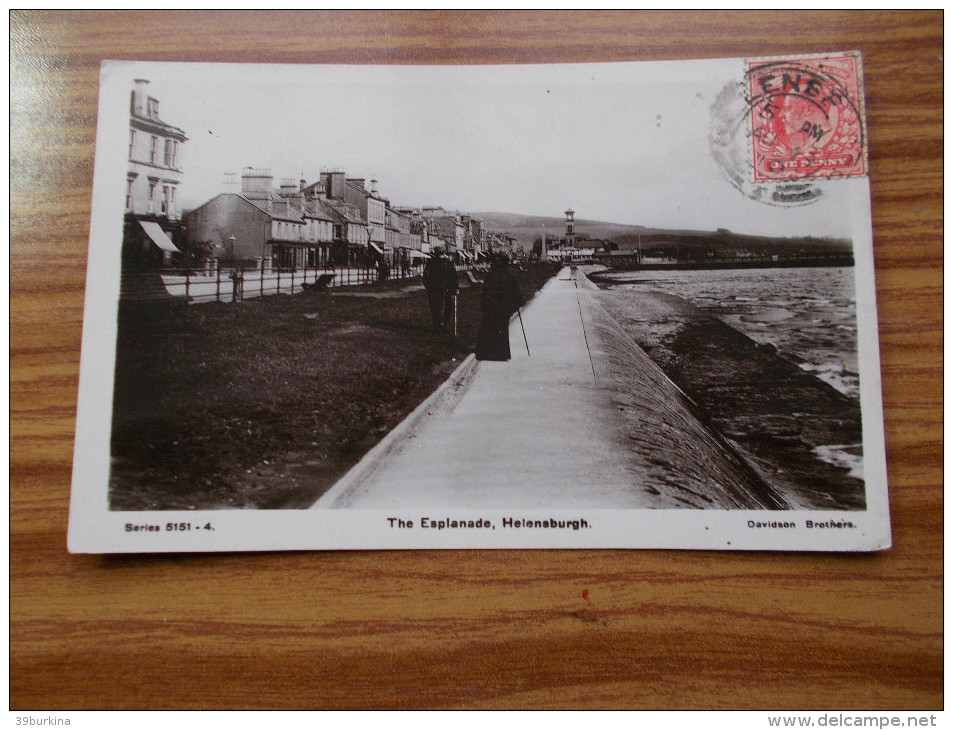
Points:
(156, 124)
(317, 209)
(351, 182)
(280, 208)
(344, 212)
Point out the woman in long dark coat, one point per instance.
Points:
(500, 299)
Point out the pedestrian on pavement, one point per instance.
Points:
(440, 281)
(238, 285)
(501, 297)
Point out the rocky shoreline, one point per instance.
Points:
(782, 419)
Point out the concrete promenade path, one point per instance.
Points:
(583, 419)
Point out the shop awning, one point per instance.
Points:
(376, 247)
(158, 236)
(418, 255)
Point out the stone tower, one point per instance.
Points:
(570, 238)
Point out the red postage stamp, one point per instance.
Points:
(807, 118)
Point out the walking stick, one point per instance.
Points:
(454, 315)
(524, 331)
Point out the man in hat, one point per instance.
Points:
(440, 281)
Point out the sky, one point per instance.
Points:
(621, 143)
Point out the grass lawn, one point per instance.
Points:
(266, 403)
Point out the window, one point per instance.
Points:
(171, 148)
(152, 107)
(129, 182)
(152, 196)
(132, 142)
(154, 150)
(168, 201)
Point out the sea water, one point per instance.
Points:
(807, 314)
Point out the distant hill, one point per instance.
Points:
(527, 229)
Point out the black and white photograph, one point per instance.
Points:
(623, 305)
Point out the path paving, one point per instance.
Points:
(579, 417)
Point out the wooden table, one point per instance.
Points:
(469, 629)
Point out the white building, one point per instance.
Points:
(153, 178)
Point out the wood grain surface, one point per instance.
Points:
(468, 629)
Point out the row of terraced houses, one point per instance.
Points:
(335, 220)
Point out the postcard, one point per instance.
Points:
(621, 305)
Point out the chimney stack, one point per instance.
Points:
(333, 185)
(139, 98)
(257, 183)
